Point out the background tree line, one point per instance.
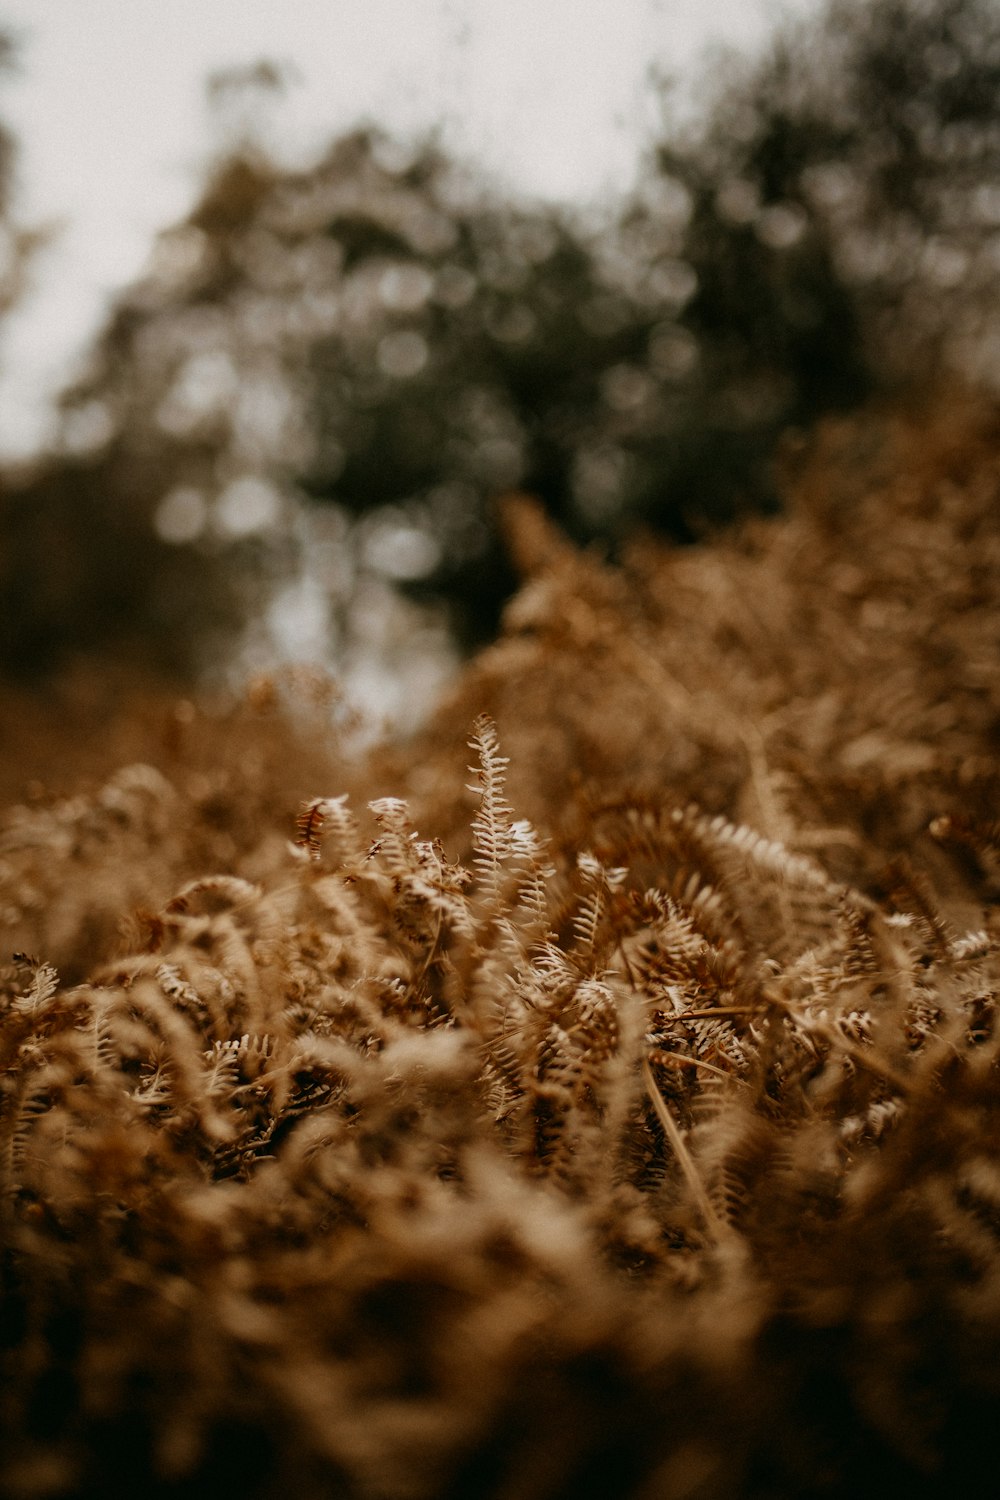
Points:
(330, 374)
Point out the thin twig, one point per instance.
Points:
(692, 1062)
(713, 1223)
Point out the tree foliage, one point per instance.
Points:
(844, 203)
(15, 242)
(382, 335)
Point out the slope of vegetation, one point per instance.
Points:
(625, 1124)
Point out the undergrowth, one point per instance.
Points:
(622, 1125)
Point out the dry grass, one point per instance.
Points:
(625, 1125)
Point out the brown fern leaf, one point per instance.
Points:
(494, 819)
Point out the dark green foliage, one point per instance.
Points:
(381, 335)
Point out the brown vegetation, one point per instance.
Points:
(625, 1126)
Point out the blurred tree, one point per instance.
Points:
(22, 548)
(16, 242)
(380, 334)
(375, 332)
(92, 534)
(843, 217)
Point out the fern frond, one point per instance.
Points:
(442, 886)
(912, 893)
(980, 835)
(222, 1069)
(40, 993)
(494, 839)
(212, 893)
(395, 847)
(331, 818)
(528, 856)
(599, 883)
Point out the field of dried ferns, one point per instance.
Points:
(618, 1117)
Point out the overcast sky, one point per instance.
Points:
(109, 107)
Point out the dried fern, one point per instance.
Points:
(641, 1144)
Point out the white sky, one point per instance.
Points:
(109, 108)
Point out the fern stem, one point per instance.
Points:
(671, 1129)
(692, 1062)
(710, 1012)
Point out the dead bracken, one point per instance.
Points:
(624, 1125)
